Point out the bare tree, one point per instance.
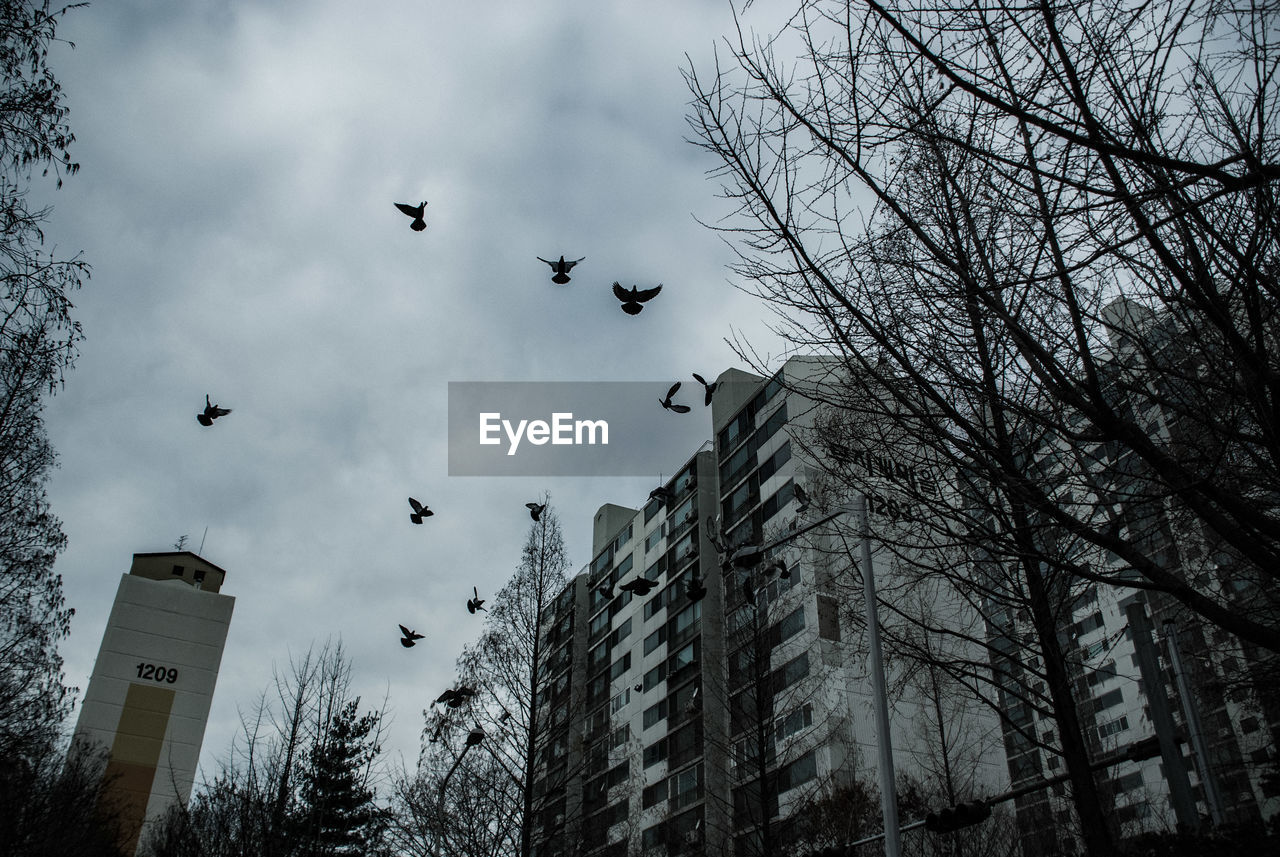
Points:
(300, 780)
(519, 700)
(37, 345)
(1061, 287)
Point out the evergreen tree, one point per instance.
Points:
(338, 814)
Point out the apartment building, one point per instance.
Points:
(1142, 665)
(712, 721)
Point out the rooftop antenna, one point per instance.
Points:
(202, 538)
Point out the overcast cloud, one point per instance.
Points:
(239, 165)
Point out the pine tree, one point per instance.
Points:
(338, 814)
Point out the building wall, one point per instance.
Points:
(664, 771)
(148, 699)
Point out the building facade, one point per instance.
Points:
(148, 699)
(723, 704)
(1141, 664)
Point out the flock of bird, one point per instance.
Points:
(632, 301)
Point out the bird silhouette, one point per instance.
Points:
(694, 588)
(474, 604)
(712, 526)
(211, 412)
(662, 494)
(454, 697)
(710, 388)
(475, 736)
(535, 509)
(416, 212)
(667, 403)
(640, 586)
(780, 567)
(409, 638)
(802, 499)
(419, 512)
(633, 298)
(639, 688)
(606, 589)
(561, 269)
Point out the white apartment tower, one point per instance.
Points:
(152, 685)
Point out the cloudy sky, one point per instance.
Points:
(239, 162)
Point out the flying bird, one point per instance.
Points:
(666, 403)
(211, 412)
(714, 536)
(633, 298)
(710, 388)
(694, 588)
(535, 509)
(409, 638)
(640, 586)
(419, 512)
(455, 697)
(561, 269)
(692, 705)
(802, 499)
(779, 566)
(474, 604)
(662, 494)
(606, 589)
(416, 212)
(639, 688)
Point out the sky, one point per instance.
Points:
(239, 165)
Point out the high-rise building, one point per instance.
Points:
(719, 703)
(1200, 686)
(148, 699)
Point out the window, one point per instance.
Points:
(654, 539)
(686, 787)
(1101, 674)
(790, 724)
(178, 570)
(779, 458)
(657, 638)
(620, 666)
(655, 714)
(599, 623)
(790, 625)
(198, 575)
(620, 700)
(620, 633)
(598, 657)
(1127, 783)
(1110, 698)
(791, 672)
(828, 616)
(797, 773)
(1106, 730)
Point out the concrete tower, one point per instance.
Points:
(148, 699)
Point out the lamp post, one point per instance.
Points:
(749, 556)
(474, 737)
